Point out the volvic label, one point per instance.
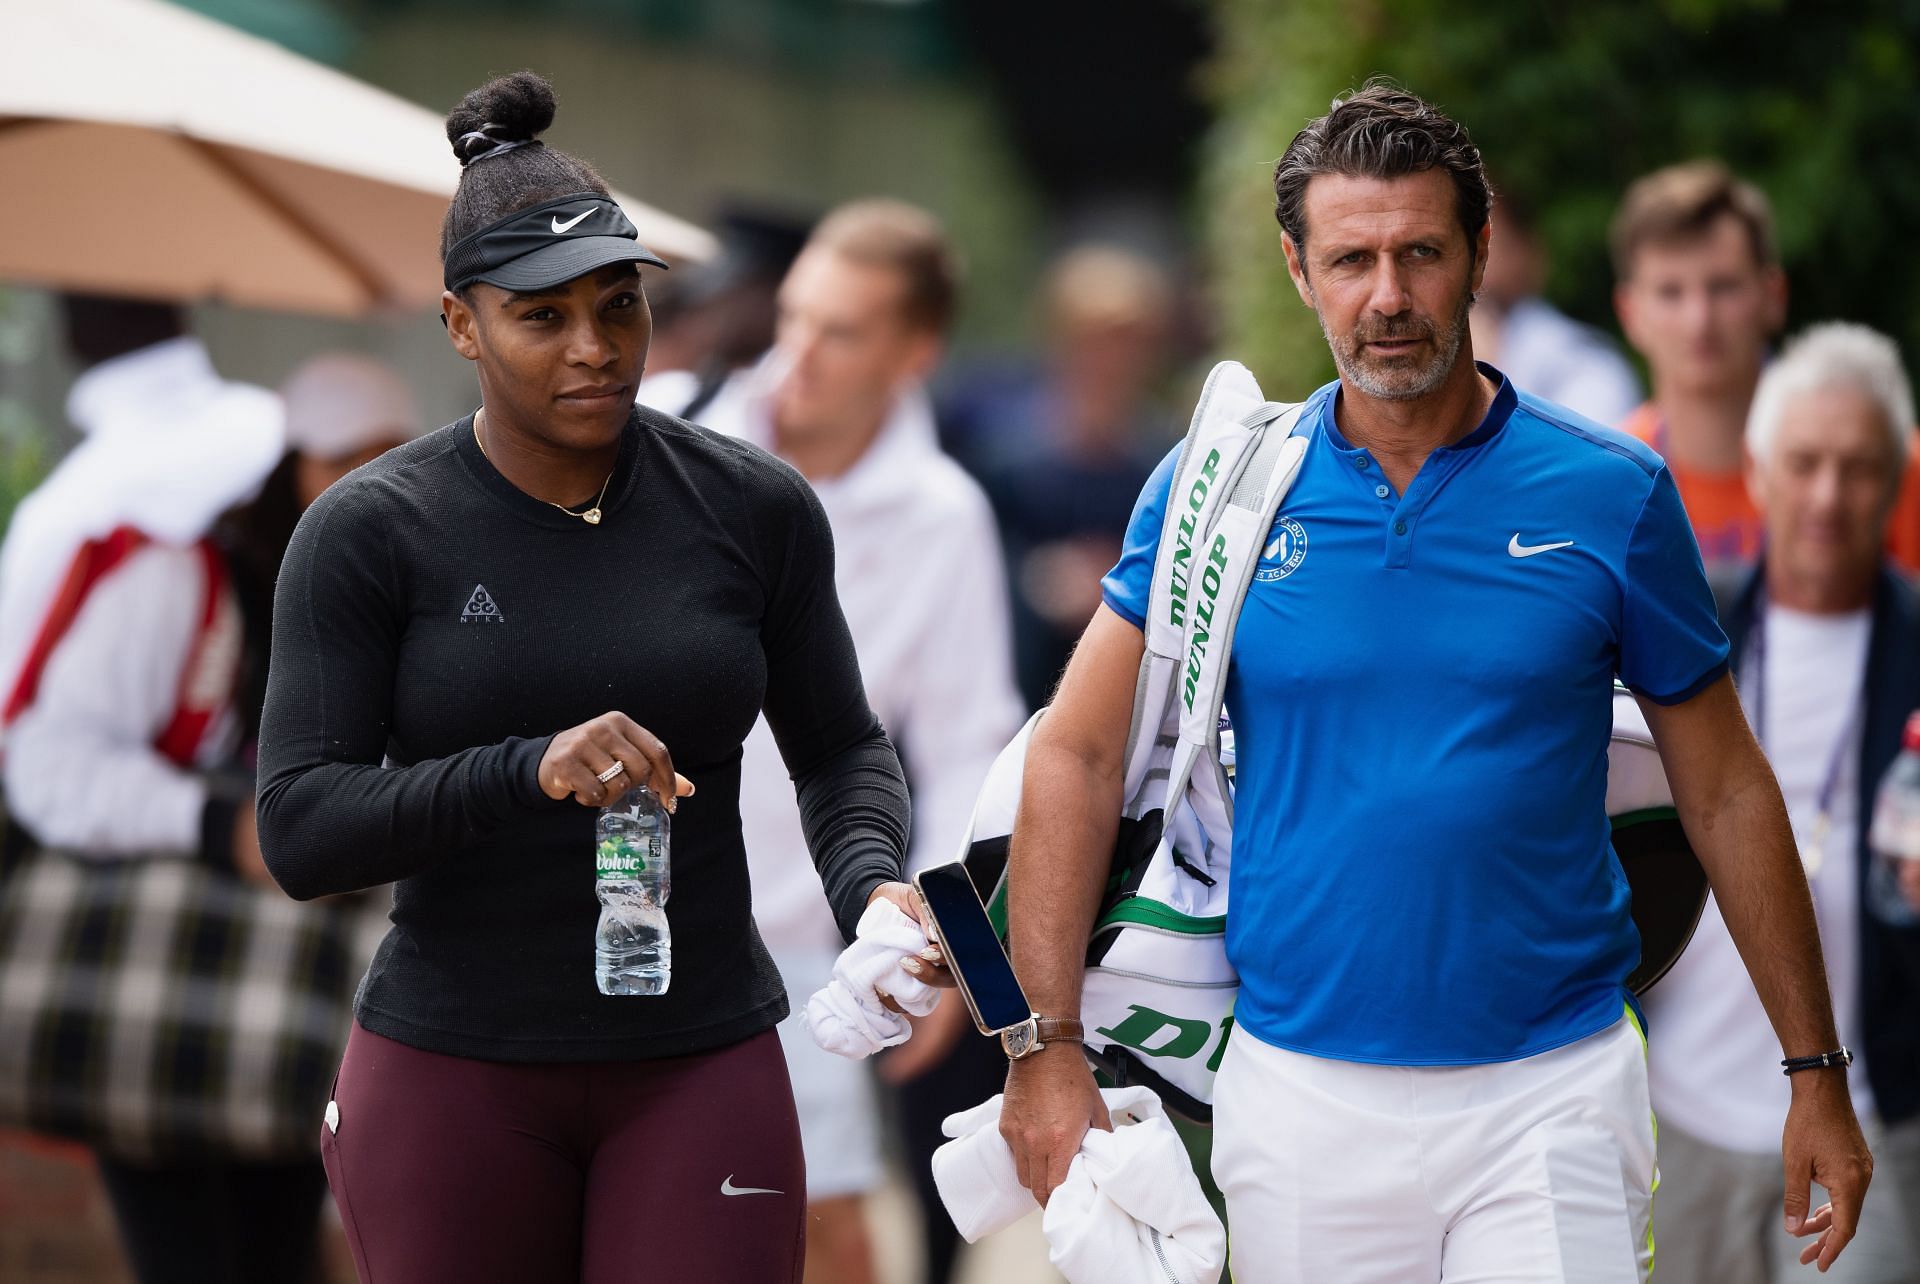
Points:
(618, 860)
(1181, 576)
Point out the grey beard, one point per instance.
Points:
(1401, 384)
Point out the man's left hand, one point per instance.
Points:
(1823, 1144)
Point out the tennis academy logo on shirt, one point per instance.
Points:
(1286, 549)
(481, 608)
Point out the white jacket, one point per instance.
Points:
(168, 447)
(81, 770)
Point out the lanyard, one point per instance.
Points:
(1813, 851)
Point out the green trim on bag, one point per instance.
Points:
(997, 910)
(1151, 913)
(997, 904)
(1642, 816)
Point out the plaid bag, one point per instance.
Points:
(153, 1007)
(158, 1010)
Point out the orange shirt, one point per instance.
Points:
(1725, 522)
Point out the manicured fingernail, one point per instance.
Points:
(912, 966)
(931, 953)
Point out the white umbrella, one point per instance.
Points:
(149, 151)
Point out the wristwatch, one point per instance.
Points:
(1036, 1032)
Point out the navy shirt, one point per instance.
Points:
(1420, 692)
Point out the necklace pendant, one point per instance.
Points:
(592, 516)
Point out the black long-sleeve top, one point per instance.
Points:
(435, 626)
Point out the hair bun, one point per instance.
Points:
(514, 108)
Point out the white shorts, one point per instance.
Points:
(1539, 1170)
(839, 1120)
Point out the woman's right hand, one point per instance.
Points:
(576, 757)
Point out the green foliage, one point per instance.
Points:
(1812, 99)
(25, 443)
(23, 457)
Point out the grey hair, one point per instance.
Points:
(1835, 354)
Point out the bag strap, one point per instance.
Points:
(1216, 445)
(207, 678)
(206, 681)
(92, 562)
(1226, 426)
(1233, 551)
(1233, 471)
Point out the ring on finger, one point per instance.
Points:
(604, 776)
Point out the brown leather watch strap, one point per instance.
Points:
(1059, 1029)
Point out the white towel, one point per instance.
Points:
(1130, 1208)
(976, 1176)
(847, 1017)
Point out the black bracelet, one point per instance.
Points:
(1793, 1065)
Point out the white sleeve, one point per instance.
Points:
(80, 768)
(670, 391)
(962, 705)
(1601, 386)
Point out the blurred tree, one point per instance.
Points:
(27, 442)
(1811, 99)
(23, 456)
(899, 39)
(1121, 117)
(308, 27)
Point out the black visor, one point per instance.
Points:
(539, 247)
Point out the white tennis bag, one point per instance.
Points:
(1669, 886)
(1158, 999)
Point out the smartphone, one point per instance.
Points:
(965, 935)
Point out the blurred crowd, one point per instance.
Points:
(975, 505)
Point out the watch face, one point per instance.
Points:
(1018, 1040)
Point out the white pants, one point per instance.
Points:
(1538, 1171)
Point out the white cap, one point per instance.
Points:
(340, 403)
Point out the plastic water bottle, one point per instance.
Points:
(632, 952)
(1895, 836)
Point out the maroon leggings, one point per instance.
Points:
(447, 1168)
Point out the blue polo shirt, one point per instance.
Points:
(1421, 700)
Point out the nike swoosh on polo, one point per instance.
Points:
(569, 225)
(1516, 549)
(728, 1188)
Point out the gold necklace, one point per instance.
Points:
(591, 517)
